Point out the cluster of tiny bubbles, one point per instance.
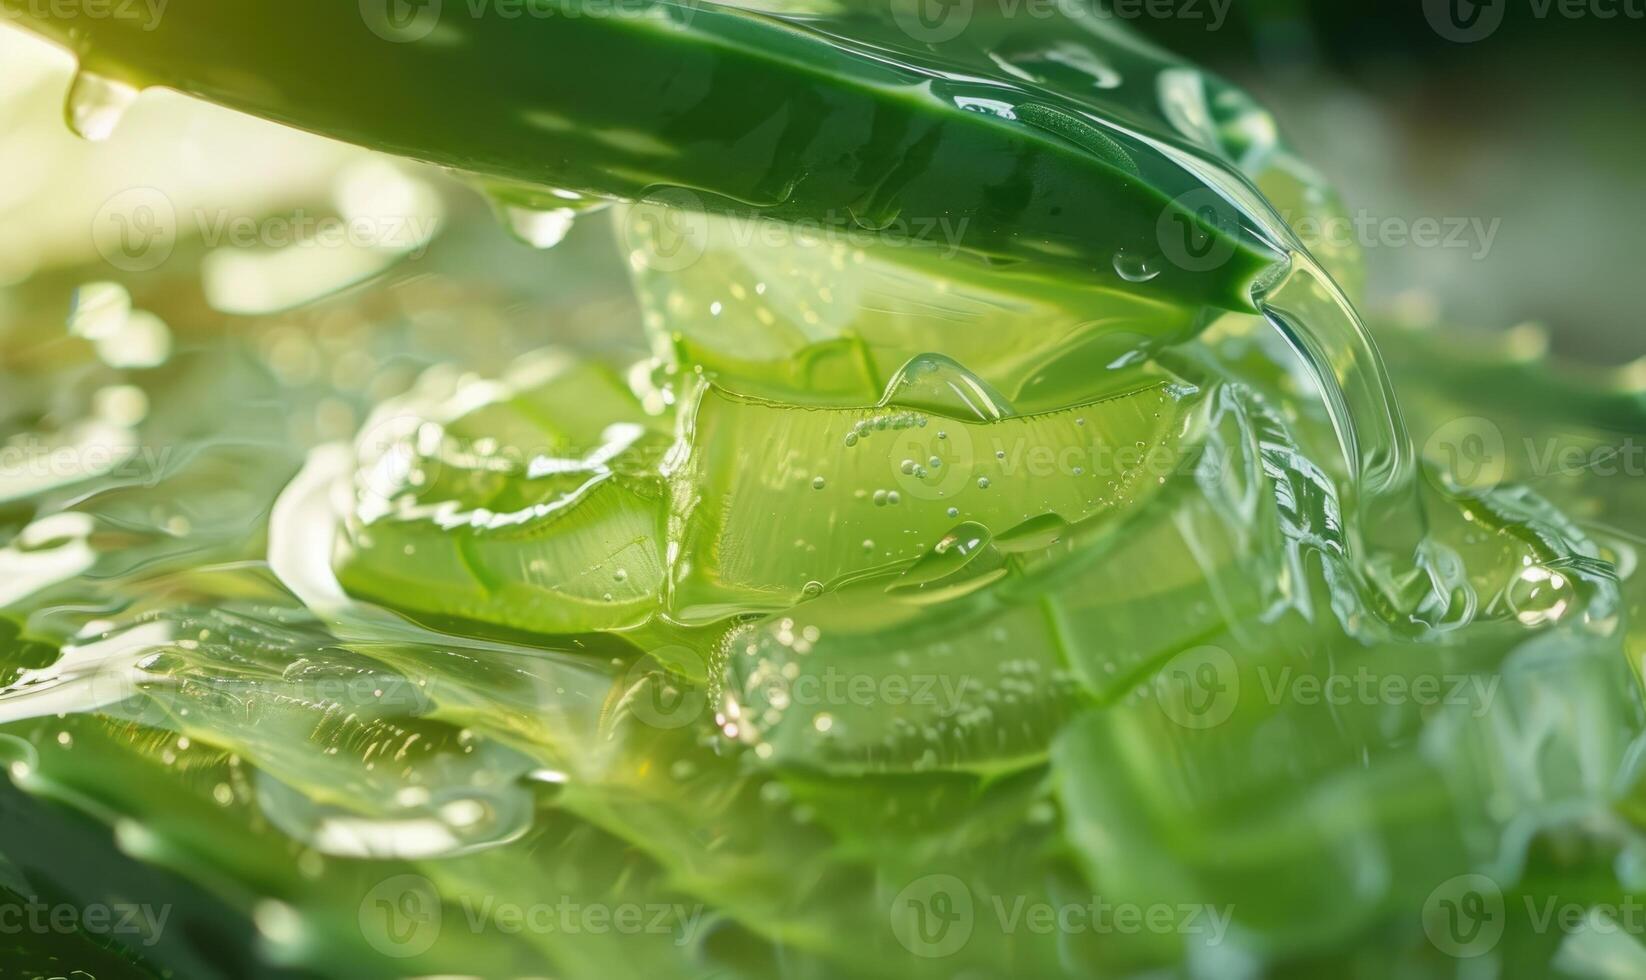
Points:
(883, 422)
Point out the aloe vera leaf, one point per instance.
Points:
(199, 818)
(1356, 842)
(795, 862)
(855, 850)
(596, 566)
(781, 314)
(530, 503)
(254, 697)
(1111, 606)
(1091, 603)
(748, 111)
(833, 687)
(1106, 605)
(1362, 839)
(785, 882)
(880, 500)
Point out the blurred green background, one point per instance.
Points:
(1538, 126)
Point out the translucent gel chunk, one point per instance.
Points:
(775, 497)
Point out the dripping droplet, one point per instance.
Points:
(539, 228)
(933, 382)
(95, 105)
(1134, 268)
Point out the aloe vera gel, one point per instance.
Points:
(968, 532)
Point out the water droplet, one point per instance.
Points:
(95, 105)
(1134, 267)
(939, 384)
(1066, 63)
(1539, 595)
(818, 483)
(539, 228)
(982, 483)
